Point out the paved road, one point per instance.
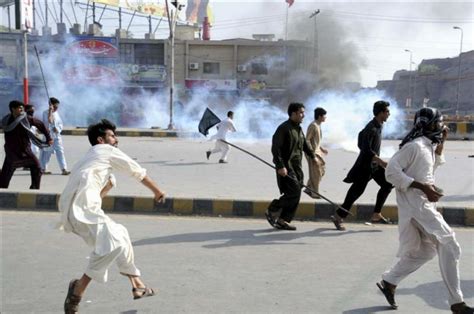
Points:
(221, 265)
(180, 167)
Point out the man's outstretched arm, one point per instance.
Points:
(159, 194)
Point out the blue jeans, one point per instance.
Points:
(58, 149)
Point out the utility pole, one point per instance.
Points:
(172, 19)
(459, 71)
(315, 60)
(408, 103)
(414, 83)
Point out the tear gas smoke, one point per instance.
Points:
(255, 119)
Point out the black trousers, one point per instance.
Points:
(288, 201)
(358, 187)
(9, 168)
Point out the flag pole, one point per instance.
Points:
(291, 177)
(286, 22)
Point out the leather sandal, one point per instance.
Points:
(71, 304)
(387, 292)
(145, 292)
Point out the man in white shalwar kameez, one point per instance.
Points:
(223, 128)
(423, 232)
(80, 205)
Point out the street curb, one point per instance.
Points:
(458, 131)
(130, 133)
(462, 216)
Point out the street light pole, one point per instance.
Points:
(172, 19)
(408, 104)
(315, 42)
(459, 71)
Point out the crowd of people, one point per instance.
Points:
(423, 231)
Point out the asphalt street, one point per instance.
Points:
(180, 167)
(221, 265)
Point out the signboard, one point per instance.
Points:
(212, 85)
(142, 72)
(92, 74)
(92, 61)
(196, 10)
(149, 7)
(94, 47)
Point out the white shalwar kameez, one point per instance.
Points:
(223, 128)
(80, 205)
(423, 232)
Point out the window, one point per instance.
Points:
(259, 68)
(151, 54)
(126, 53)
(211, 68)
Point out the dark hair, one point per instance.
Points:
(98, 129)
(29, 109)
(15, 104)
(230, 113)
(53, 101)
(319, 112)
(294, 107)
(380, 106)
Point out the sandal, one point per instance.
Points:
(387, 292)
(145, 292)
(338, 223)
(383, 220)
(270, 218)
(71, 304)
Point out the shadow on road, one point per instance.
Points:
(370, 309)
(247, 237)
(434, 294)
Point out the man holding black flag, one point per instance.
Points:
(288, 144)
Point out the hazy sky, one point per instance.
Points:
(373, 34)
(378, 32)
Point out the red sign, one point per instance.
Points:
(93, 48)
(91, 74)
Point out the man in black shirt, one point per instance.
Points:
(288, 144)
(368, 166)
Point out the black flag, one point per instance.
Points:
(208, 120)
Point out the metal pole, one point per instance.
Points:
(286, 24)
(120, 17)
(315, 61)
(9, 20)
(46, 12)
(93, 12)
(414, 83)
(459, 71)
(409, 80)
(25, 76)
(291, 177)
(173, 25)
(61, 11)
(149, 25)
(34, 15)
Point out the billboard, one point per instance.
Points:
(196, 10)
(157, 8)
